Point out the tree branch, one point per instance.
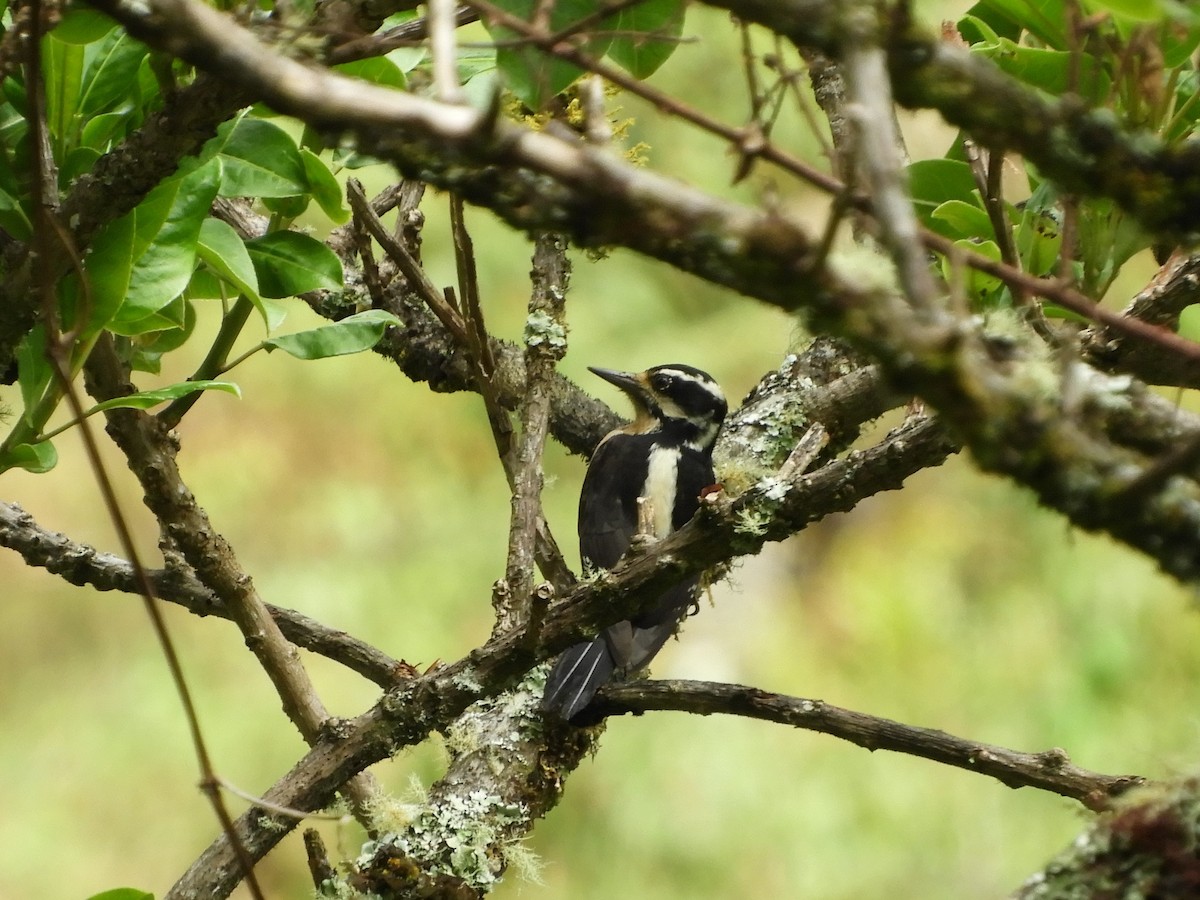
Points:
(1174, 289)
(1050, 770)
(80, 564)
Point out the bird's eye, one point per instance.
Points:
(660, 382)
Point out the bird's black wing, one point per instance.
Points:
(607, 522)
(608, 501)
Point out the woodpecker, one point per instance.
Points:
(660, 462)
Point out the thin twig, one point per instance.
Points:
(81, 564)
(881, 165)
(442, 45)
(471, 336)
(545, 345)
(1050, 770)
(417, 279)
(406, 35)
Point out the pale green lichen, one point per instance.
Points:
(755, 519)
(391, 814)
(524, 862)
(773, 488)
(543, 330)
(467, 681)
(462, 835)
(869, 271)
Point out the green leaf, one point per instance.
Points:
(1107, 239)
(83, 25)
(148, 399)
(144, 260)
(1049, 70)
(287, 208)
(78, 161)
(109, 264)
(122, 894)
(534, 76)
(146, 350)
(223, 251)
(976, 31)
(1039, 239)
(275, 312)
(1044, 19)
(958, 219)
(408, 58)
(110, 76)
(1138, 10)
(259, 159)
(647, 35)
(290, 263)
(1179, 42)
(353, 334)
(99, 131)
(34, 372)
(325, 188)
(63, 64)
(37, 458)
(168, 317)
(983, 290)
(377, 70)
(12, 216)
(934, 181)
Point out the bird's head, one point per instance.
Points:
(679, 400)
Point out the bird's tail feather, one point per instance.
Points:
(577, 675)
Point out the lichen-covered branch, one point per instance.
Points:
(537, 180)
(1174, 289)
(1146, 847)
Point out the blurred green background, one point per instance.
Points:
(377, 507)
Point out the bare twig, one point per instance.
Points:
(881, 165)
(545, 345)
(1050, 770)
(470, 335)
(404, 35)
(443, 46)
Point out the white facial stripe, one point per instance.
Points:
(708, 434)
(659, 490)
(707, 383)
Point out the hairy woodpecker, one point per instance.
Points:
(663, 458)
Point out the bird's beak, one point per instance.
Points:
(626, 381)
